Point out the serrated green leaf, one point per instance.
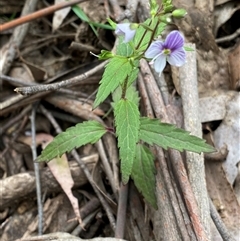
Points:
(127, 128)
(143, 35)
(143, 174)
(76, 136)
(160, 29)
(133, 75)
(124, 49)
(131, 94)
(115, 73)
(152, 131)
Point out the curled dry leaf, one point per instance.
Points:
(60, 170)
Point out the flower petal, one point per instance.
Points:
(154, 49)
(174, 40)
(160, 63)
(177, 57)
(124, 29)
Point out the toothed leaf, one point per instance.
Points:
(127, 127)
(76, 136)
(143, 174)
(115, 73)
(152, 131)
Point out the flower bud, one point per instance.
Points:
(168, 8)
(165, 18)
(179, 13)
(105, 55)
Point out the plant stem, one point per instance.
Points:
(124, 88)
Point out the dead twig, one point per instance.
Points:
(106, 166)
(226, 236)
(195, 162)
(121, 212)
(109, 141)
(16, 118)
(36, 170)
(69, 82)
(38, 14)
(229, 37)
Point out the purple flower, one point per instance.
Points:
(170, 51)
(127, 30)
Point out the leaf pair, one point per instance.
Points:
(116, 71)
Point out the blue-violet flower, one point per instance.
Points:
(127, 30)
(170, 51)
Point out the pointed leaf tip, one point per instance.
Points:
(127, 128)
(152, 131)
(73, 137)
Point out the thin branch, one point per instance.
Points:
(99, 195)
(111, 147)
(36, 170)
(229, 37)
(69, 82)
(122, 209)
(226, 236)
(14, 119)
(38, 14)
(106, 166)
(195, 162)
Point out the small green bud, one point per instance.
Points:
(165, 18)
(168, 8)
(179, 13)
(105, 55)
(153, 7)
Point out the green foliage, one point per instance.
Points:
(127, 124)
(133, 76)
(80, 13)
(115, 73)
(131, 95)
(131, 130)
(124, 49)
(160, 28)
(143, 174)
(105, 55)
(79, 135)
(152, 131)
(144, 35)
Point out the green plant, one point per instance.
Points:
(133, 132)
